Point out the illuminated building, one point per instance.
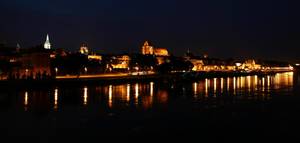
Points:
(84, 49)
(161, 60)
(26, 63)
(211, 68)
(161, 52)
(251, 65)
(198, 64)
(147, 49)
(120, 62)
(283, 68)
(95, 57)
(150, 50)
(47, 44)
(230, 67)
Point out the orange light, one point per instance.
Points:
(26, 101)
(110, 96)
(85, 96)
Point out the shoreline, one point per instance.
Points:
(164, 78)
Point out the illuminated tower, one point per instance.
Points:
(147, 49)
(84, 49)
(47, 44)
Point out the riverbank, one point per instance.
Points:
(118, 78)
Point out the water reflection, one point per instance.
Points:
(215, 86)
(128, 93)
(136, 90)
(195, 88)
(222, 84)
(26, 101)
(85, 96)
(146, 95)
(55, 99)
(110, 96)
(228, 84)
(206, 87)
(234, 85)
(240, 85)
(151, 88)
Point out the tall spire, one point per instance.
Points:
(18, 46)
(146, 43)
(47, 44)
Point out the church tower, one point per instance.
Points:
(84, 49)
(147, 49)
(47, 44)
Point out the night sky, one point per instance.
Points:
(266, 29)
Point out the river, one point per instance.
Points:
(233, 108)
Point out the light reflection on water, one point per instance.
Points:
(128, 93)
(242, 85)
(110, 96)
(55, 99)
(85, 96)
(26, 101)
(147, 95)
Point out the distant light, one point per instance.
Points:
(238, 64)
(12, 60)
(297, 64)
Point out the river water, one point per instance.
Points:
(217, 109)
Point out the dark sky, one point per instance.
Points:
(223, 28)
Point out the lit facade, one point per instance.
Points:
(121, 62)
(161, 60)
(147, 49)
(198, 64)
(150, 50)
(84, 49)
(95, 57)
(161, 52)
(251, 65)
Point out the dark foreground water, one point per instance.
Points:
(222, 109)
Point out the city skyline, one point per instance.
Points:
(221, 29)
(48, 45)
(149, 70)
